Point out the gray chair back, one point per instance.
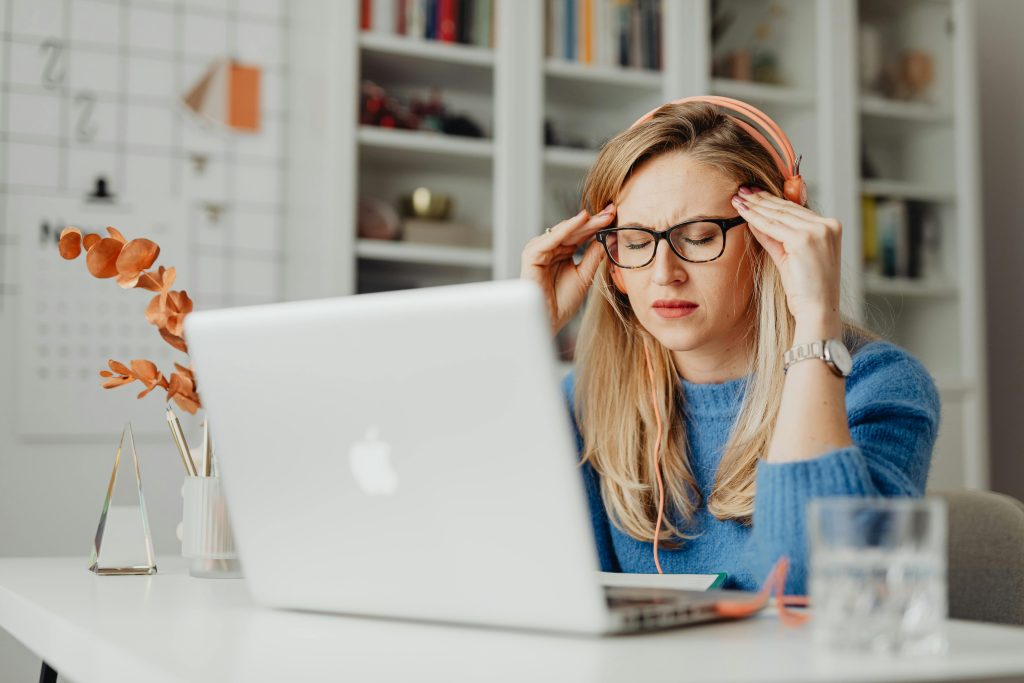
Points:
(986, 556)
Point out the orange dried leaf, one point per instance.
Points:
(148, 281)
(174, 340)
(70, 244)
(136, 256)
(102, 258)
(115, 234)
(145, 370)
(119, 368)
(188, 404)
(117, 381)
(91, 240)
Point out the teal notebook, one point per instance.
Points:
(693, 582)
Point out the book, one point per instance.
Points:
(693, 582)
(443, 232)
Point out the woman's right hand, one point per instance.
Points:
(547, 260)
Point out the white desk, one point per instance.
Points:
(172, 627)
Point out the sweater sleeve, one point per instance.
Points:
(595, 503)
(893, 412)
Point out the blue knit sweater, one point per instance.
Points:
(893, 411)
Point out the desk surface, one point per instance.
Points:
(172, 627)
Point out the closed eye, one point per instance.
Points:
(638, 245)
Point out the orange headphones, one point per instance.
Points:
(765, 131)
(759, 126)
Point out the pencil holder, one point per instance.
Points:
(206, 538)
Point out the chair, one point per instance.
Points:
(986, 556)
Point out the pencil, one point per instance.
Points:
(179, 440)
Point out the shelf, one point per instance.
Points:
(392, 59)
(894, 286)
(904, 190)
(921, 112)
(568, 158)
(762, 93)
(434, 151)
(620, 77)
(408, 252)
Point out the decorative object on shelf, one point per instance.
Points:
(756, 59)
(128, 261)
(554, 136)
(429, 231)
(909, 77)
(377, 108)
(424, 203)
(123, 545)
(227, 95)
(377, 220)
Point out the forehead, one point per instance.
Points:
(672, 187)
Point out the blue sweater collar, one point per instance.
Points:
(713, 400)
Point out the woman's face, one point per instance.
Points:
(666, 190)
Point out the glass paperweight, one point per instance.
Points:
(123, 544)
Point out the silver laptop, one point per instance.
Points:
(409, 454)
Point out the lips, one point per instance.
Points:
(673, 308)
(674, 303)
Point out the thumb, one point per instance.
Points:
(592, 258)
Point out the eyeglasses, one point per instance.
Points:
(696, 241)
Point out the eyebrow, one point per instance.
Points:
(702, 217)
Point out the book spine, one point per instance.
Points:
(869, 234)
(587, 24)
(365, 14)
(415, 18)
(623, 37)
(558, 29)
(447, 14)
(383, 16)
(430, 20)
(570, 30)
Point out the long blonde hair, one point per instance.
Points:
(613, 394)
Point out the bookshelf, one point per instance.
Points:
(796, 59)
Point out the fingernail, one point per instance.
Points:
(746, 190)
(739, 202)
(608, 209)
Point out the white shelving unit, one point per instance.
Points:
(513, 185)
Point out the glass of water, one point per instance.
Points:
(878, 574)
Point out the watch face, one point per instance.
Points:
(840, 356)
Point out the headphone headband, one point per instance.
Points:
(770, 136)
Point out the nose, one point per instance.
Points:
(667, 267)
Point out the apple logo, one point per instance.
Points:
(371, 465)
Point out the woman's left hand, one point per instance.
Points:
(806, 247)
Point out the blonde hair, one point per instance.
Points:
(613, 395)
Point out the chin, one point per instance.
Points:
(676, 335)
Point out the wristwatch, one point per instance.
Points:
(832, 351)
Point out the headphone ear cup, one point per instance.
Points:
(795, 190)
(620, 283)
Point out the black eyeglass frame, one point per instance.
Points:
(725, 224)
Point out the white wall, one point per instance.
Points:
(1001, 89)
(90, 87)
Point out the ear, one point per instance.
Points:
(620, 282)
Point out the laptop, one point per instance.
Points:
(409, 455)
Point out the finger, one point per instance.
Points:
(573, 231)
(778, 224)
(592, 258)
(774, 247)
(761, 198)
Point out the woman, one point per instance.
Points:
(699, 446)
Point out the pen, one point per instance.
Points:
(179, 440)
(207, 450)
